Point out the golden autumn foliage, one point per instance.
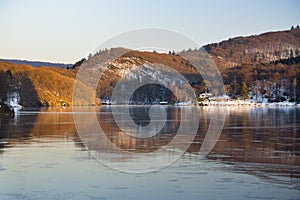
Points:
(43, 86)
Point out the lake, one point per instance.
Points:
(256, 155)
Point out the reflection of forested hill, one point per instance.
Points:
(32, 126)
(260, 136)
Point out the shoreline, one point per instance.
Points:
(253, 104)
(235, 103)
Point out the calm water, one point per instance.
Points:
(257, 156)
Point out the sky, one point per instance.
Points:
(66, 31)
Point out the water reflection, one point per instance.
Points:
(140, 115)
(35, 124)
(260, 135)
(254, 135)
(251, 136)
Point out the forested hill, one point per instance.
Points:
(263, 48)
(42, 86)
(268, 64)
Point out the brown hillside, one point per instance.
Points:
(136, 58)
(43, 86)
(263, 48)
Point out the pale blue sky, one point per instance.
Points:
(65, 31)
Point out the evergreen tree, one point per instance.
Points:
(231, 53)
(3, 86)
(245, 90)
(235, 86)
(291, 53)
(262, 87)
(298, 89)
(89, 56)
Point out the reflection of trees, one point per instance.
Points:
(254, 135)
(202, 129)
(54, 122)
(48, 123)
(131, 143)
(261, 136)
(17, 128)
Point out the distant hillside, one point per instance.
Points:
(262, 48)
(37, 63)
(43, 86)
